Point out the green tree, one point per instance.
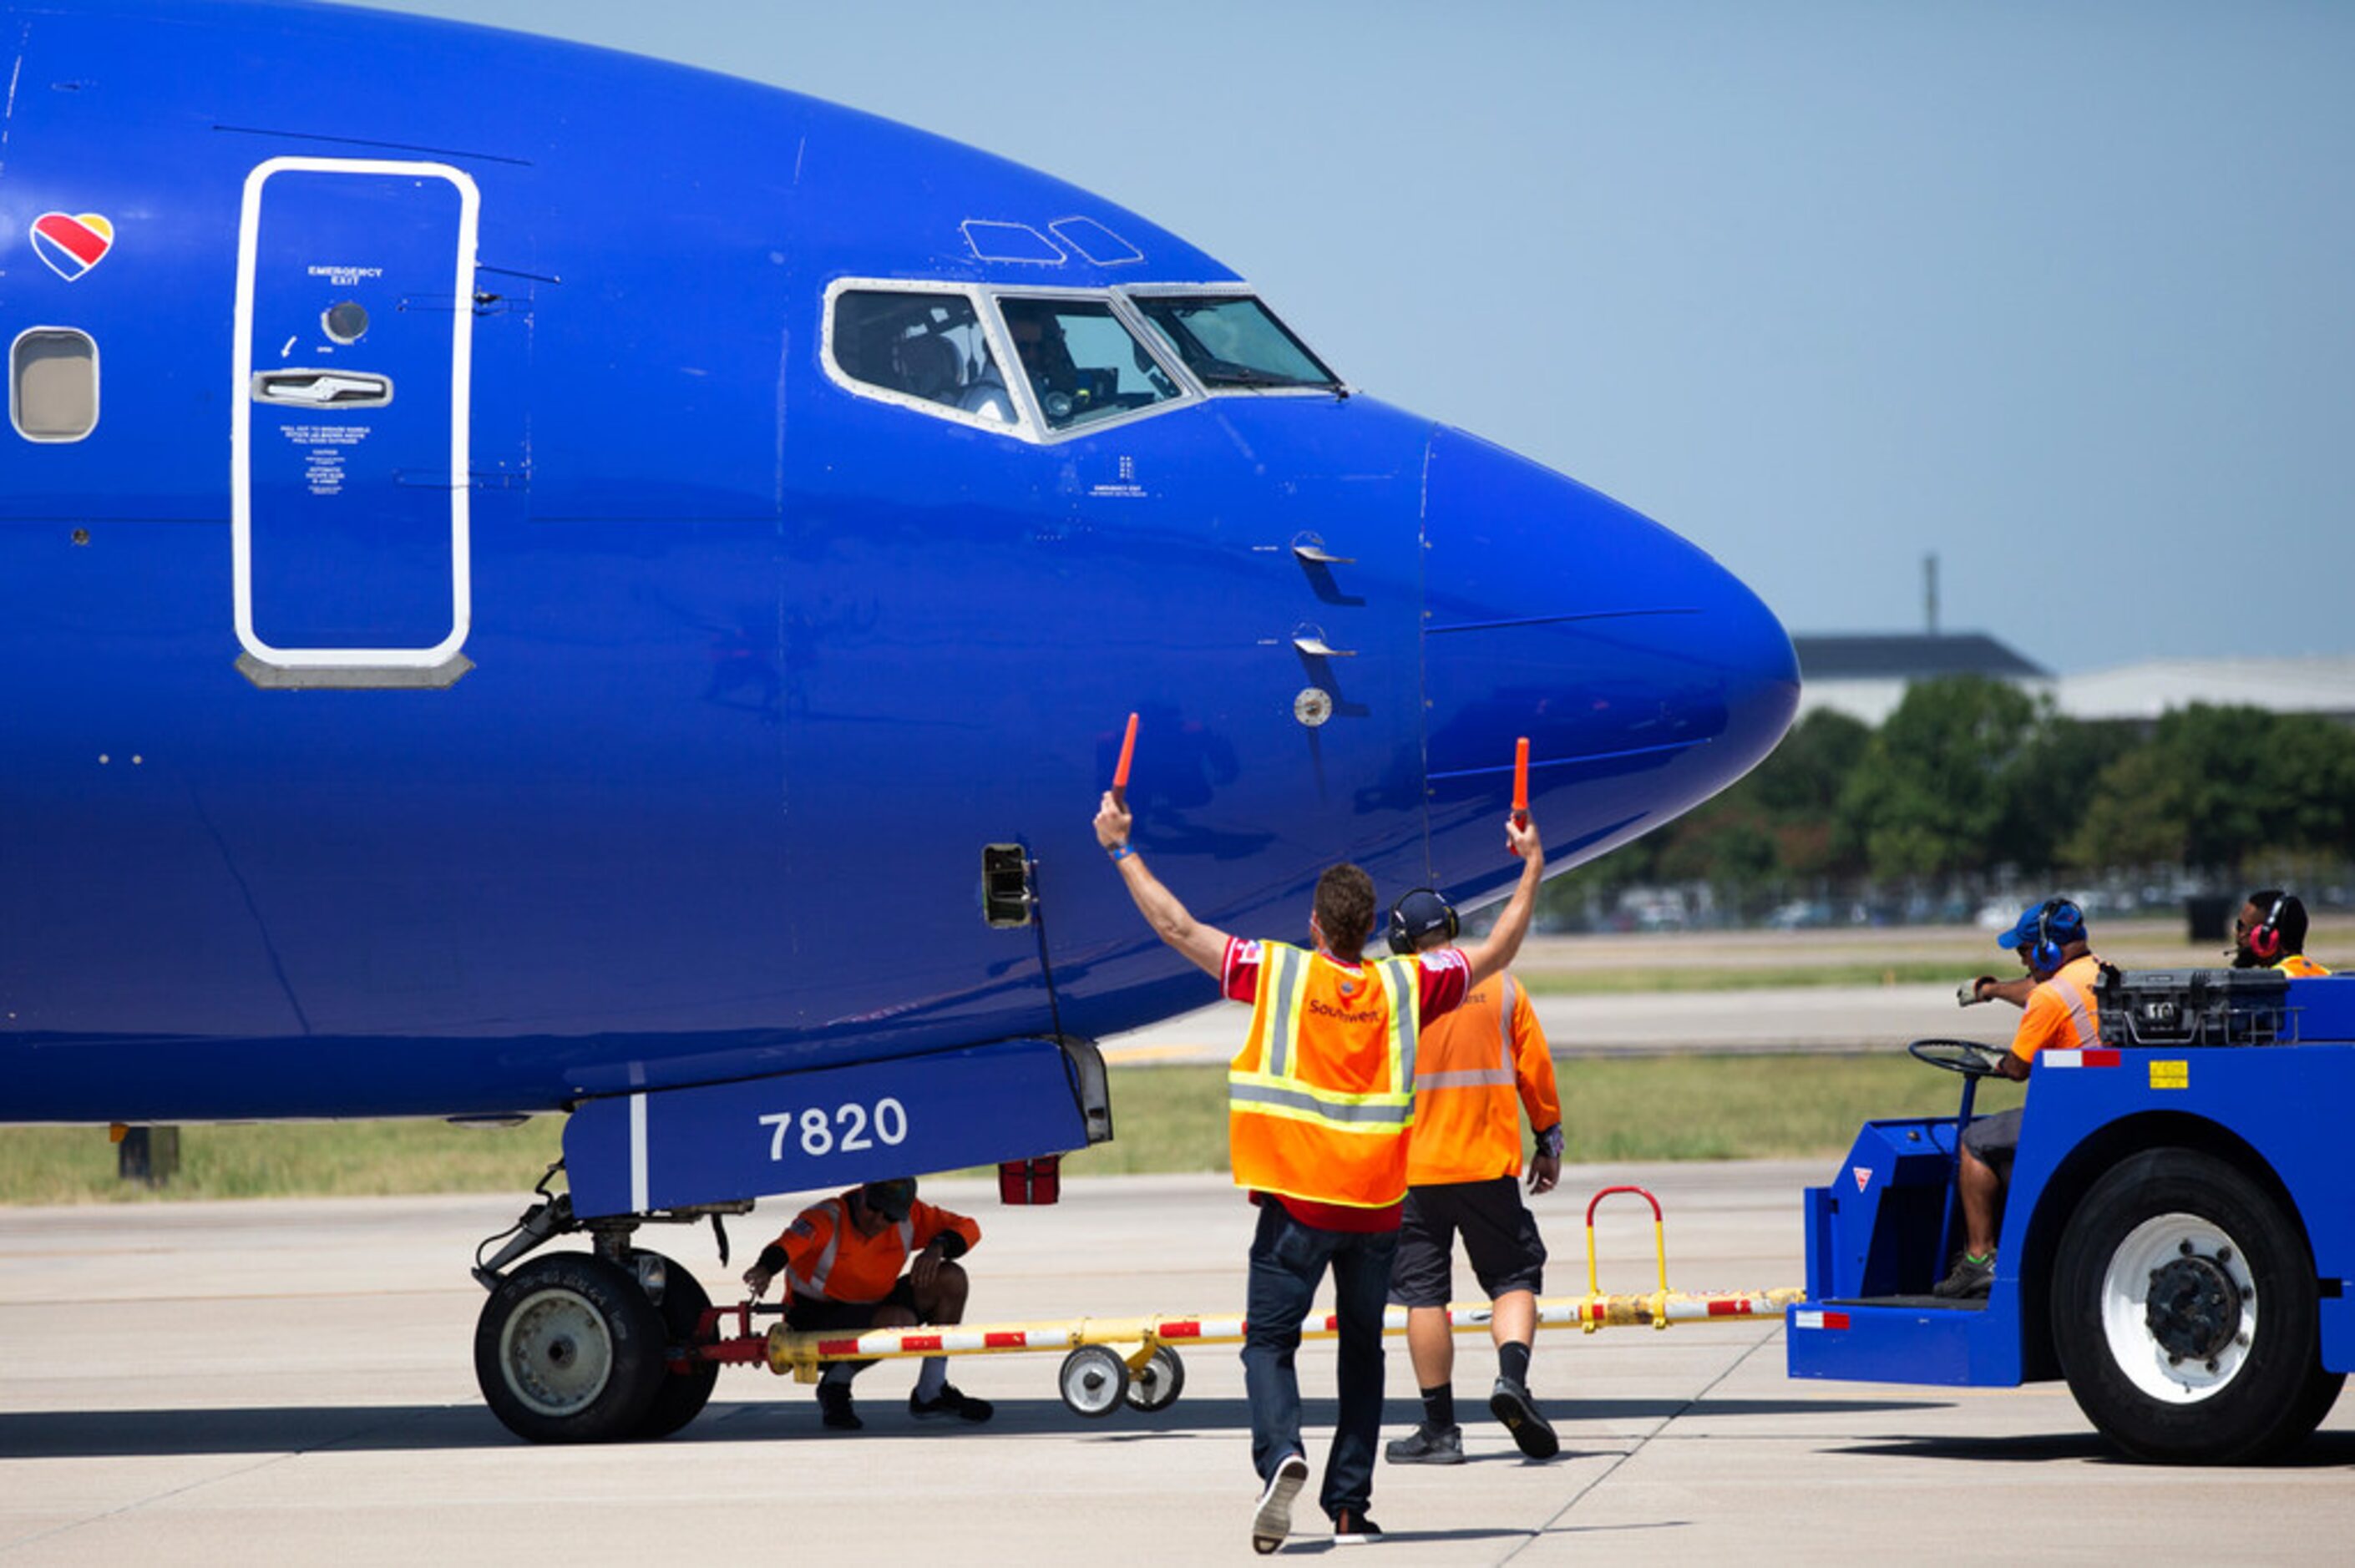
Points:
(2050, 785)
(2216, 786)
(1935, 790)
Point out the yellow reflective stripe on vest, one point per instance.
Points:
(1278, 1091)
(1402, 985)
(1343, 1113)
(1281, 973)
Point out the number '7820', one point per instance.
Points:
(847, 1128)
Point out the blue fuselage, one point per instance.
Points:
(667, 687)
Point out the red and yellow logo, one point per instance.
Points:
(72, 243)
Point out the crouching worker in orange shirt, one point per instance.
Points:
(841, 1260)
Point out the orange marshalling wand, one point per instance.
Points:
(1521, 782)
(1127, 751)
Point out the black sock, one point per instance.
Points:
(1439, 1407)
(1513, 1360)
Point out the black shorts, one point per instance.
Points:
(1500, 1237)
(808, 1315)
(1994, 1140)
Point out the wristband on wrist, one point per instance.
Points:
(1121, 851)
(1549, 1141)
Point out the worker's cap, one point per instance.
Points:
(892, 1199)
(2058, 918)
(1416, 917)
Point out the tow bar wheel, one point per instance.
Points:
(1157, 1387)
(2185, 1312)
(570, 1350)
(1093, 1381)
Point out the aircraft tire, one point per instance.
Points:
(679, 1397)
(2185, 1316)
(570, 1350)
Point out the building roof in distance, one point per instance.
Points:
(1908, 656)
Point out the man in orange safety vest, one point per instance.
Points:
(1320, 1100)
(841, 1260)
(1475, 1073)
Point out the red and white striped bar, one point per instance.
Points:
(803, 1353)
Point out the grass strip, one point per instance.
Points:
(1165, 1119)
(1764, 977)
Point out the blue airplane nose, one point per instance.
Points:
(1645, 675)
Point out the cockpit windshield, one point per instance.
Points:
(1233, 341)
(1082, 363)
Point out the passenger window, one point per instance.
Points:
(53, 385)
(1082, 363)
(927, 346)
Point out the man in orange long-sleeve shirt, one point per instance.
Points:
(841, 1260)
(1478, 1069)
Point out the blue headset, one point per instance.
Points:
(2046, 954)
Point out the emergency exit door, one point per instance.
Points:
(348, 439)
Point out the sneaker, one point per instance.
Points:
(1970, 1278)
(949, 1404)
(1272, 1520)
(834, 1407)
(1352, 1528)
(1424, 1447)
(1511, 1403)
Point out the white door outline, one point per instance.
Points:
(351, 662)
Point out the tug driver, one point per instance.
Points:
(841, 1260)
(2062, 974)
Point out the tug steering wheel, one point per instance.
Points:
(1972, 1058)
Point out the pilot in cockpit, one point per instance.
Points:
(1047, 361)
(928, 367)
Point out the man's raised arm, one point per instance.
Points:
(1204, 945)
(1494, 953)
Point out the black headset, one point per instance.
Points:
(2264, 937)
(1402, 941)
(2046, 953)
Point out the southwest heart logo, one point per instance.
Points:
(72, 243)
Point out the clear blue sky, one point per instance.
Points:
(2065, 292)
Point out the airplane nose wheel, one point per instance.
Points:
(570, 1350)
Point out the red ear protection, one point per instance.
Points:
(2265, 939)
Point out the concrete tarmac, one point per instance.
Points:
(292, 1382)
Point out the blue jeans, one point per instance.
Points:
(1287, 1261)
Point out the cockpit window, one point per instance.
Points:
(1083, 364)
(928, 347)
(1232, 340)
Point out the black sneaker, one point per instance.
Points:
(1424, 1447)
(1352, 1528)
(1970, 1279)
(949, 1404)
(1272, 1522)
(834, 1407)
(1511, 1403)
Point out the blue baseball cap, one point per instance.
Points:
(2065, 924)
(893, 1199)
